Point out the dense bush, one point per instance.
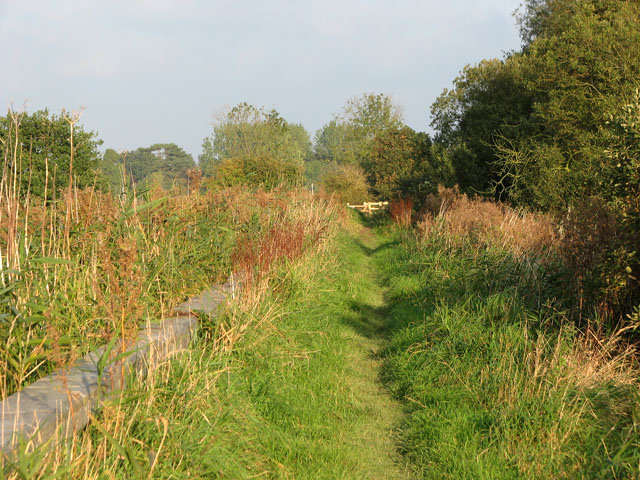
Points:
(348, 182)
(554, 127)
(40, 145)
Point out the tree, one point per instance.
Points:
(44, 144)
(402, 164)
(301, 137)
(255, 146)
(372, 114)
(583, 62)
(488, 101)
(110, 170)
(533, 19)
(161, 164)
(620, 167)
(348, 137)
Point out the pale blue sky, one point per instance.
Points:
(154, 71)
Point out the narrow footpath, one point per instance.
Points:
(375, 434)
(308, 403)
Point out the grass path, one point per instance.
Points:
(300, 396)
(367, 338)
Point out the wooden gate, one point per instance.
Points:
(369, 207)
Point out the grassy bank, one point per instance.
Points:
(498, 382)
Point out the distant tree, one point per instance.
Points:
(44, 142)
(300, 136)
(254, 146)
(371, 114)
(161, 164)
(348, 137)
(331, 147)
(110, 170)
(335, 143)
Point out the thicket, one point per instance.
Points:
(189, 415)
(554, 127)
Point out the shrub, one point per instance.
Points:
(401, 211)
(599, 252)
(348, 182)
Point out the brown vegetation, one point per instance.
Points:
(488, 223)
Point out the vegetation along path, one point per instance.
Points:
(291, 388)
(306, 401)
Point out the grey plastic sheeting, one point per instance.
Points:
(60, 404)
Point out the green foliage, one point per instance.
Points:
(534, 123)
(141, 260)
(335, 143)
(300, 137)
(110, 168)
(488, 101)
(491, 386)
(44, 143)
(265, 171)
(348, 182)
(370, 133)
(552, 127)
(533, 19)
(580, 68)
(254, 146)
(402, 164)
(348, 138)
(372, 113)
(621, 165)
(161, 164)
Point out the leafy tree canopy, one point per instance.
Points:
(487, 100)
(162, 164)
(256, 146)
(581, 68)
(348, 137)
(403, 164)
(44, 143)
(533, 125)
(110, 170)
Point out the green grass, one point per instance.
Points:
(496, 382)
(298, 396)
(379, 358)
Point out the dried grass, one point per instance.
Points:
(488, 223)
(401, 211)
